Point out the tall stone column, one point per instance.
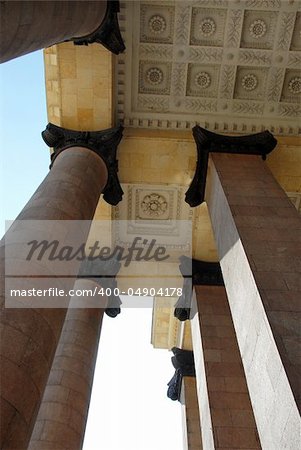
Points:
(227, 419)
(27, 26)
(63, 413)
(257, 233)
(83, 165)
(224, 402)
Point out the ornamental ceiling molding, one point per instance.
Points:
(229, 66)
(155, 212)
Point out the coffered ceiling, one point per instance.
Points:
(230, 66)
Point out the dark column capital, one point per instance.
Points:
(108, 34)
(195, 273)
(208, 142)
(183, 362)
(103, 143)
(103, 272)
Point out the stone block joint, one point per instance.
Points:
(208, 142)
(104, 143)
(108, 34)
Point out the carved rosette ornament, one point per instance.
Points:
(258, 29)
(157, 24)
(108, 34)
(154, 205)
(249, 82)
(103, 143)
(207, 27)
(202, 80)
(294, 85)
(154, 76)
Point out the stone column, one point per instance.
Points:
(224, 402)
(63, 413)
(191, 415)
(62, 417)
(27, 26)
(257, 232)
(82, 168)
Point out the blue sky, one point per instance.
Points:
(129, 408)
(24, 156)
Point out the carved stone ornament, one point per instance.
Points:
(103, 272)
(226, 65)
(258, 29)
(154, 205)
(255, 144)
(156, 24)
(294, 85)
(183, 362)
(108, 34)
(195, 273)
(175, 386)
(202, 80)
(249, 82)
(207, 27)
(154, 75)
(103, 143)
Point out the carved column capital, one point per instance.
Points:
(103, 143)
(103, 272)
(254, 144)
(108, 34)
(183, 362)
(195, 273)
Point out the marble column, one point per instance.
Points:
(82, 168)
(257, 232)
(27, 26)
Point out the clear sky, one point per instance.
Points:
(24, 156)
(129, 408)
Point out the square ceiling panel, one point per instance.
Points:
(154, 77)
(157, 23)
(202, 83)
(259, 29)
(154, 212)
(291, 91)
(250, 82)
(208, 27)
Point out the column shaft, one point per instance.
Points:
(257, 231)
(29, 337)
(191, 414)
(27, 26)
(225, 407)
(62, 417)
